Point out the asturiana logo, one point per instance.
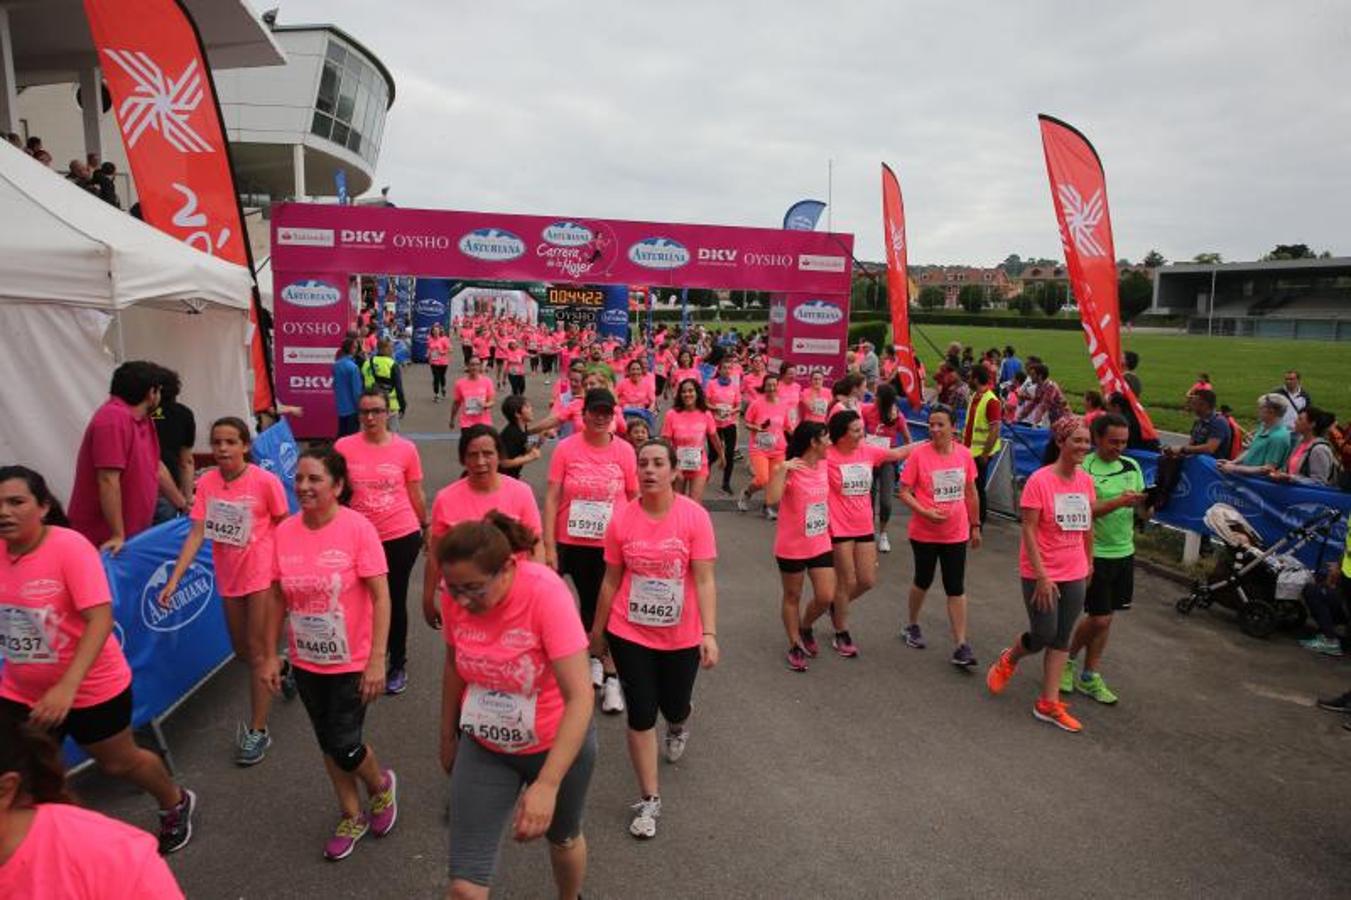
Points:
(492, 244)
(311, 293)
(659, 253)
(430, 306)
(567, 234)
(188, 601)
(614, 317)
(818, 312)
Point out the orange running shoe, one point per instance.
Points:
(1054, 711)
(997, 678)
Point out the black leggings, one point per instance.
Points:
(517, 384)
(400, 555)
(439, 380)
(468, 351)
(1052, 628)
(728, 435)
(547, 361)
(654, 679)
(586, 565)
(982, 468)
(953, 557)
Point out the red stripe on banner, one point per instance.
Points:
(166, 107)
(898, 290)
(1079, 191)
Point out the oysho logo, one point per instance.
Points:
(422, 241)
(311, 294)
(188, 601)
(491, 244)
(659, 253)
(313, 329)
(818, 312)
(567, 234)
(368, 238)
(773, 260)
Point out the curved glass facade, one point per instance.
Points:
(350, 107)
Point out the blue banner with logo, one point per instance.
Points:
(381, 289)
(403, 299)
(276, 450)
(613, 320)
(803, 215)
(431, 306)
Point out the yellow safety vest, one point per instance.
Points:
(1346, 557)
(379, 370)
(981, 430)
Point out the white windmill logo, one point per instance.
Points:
(1082, 217)
(160, 103)
(897, 240)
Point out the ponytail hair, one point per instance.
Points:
(488, 542)
(37, 486)
(35, 756)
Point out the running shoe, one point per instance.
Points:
(963, 657)
(771, 513)
(385, 806)
(1320, 643)
(676, 739)
(913, 637)
(612, 696)
(397, 681)
(1054, 711)
(288, 680)
(1340, 704)
(1096, 688)
(727, 489)
(175, 824)
(883, 543)
(797, 659)
(741, 503)
(1067, 678)
(808, 641)
(997, 678)
(645, 813)
(250, 745)
(597, 673)
(345, 837)
(844, 645)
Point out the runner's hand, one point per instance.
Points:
(934, 514)
(373, 679)
(535, 811)
(269, 673)
(449, 744)
(708, 651)
(599, 646)
(794, 465)
(1045, 595)
(170, 586)
(51, 709)
(551, 557)
(976, 538)
(114, 544)
(431, 614)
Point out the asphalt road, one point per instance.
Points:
(893, 774)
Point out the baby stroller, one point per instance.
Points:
(1260, 583)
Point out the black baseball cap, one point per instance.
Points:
(598, 397)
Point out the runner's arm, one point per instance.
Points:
(373, 680)
(614, 573)
(706, 590)
(452, 690)
(535, 810)
(191, 544)
(552, 496)
(110, 501)
(418, 500)
(431, 571)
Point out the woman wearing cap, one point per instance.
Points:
(767, 421)
(690, 427)
(590, 475)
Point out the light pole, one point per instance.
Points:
(1210, 319)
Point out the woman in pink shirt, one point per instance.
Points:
(237, 505)
(482, 490)
(331, 571)
(635, 391)
(685, 368)
(884, 426)
(63, 673)
(790, 392)
(767, 421)
(438, 358)
(473, 397)
(657, 616)
(591, 474)
(815, 400)
(690, 428)
(724, 400)
(385, 475)
(515, 364)
(938, 483)
(1055, 562)
(802, 538)
(517, 733)
(49, 847)
(753, 382)
(850, 462)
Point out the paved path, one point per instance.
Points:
(890, 775)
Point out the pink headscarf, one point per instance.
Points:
(1066, 426)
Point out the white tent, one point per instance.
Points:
(84, 286)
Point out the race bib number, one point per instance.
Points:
(228, 523)
(499, 718)
(1072, 512)
(878, 440)
(949, 485)
(764, 440)
(689, 459)
(657, 602)
(722, 411)
(856, 479)
(815, 520)
(819, 407)
(589, 518)
(23, 639)
(473, 406)
(320, 638)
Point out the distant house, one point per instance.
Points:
(951, 280)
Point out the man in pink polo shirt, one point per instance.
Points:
(118, 472)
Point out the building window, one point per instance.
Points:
(351, 102)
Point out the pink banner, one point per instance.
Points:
(311, 312)
(810, 331)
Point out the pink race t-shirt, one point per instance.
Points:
(1066, 514)
(116, 439)
(594, 481)
(380, 475)
(475, 396)
(940, 480)
(41, 597)
(790, 394)
(515, 360)
(458, 502)
(438, 350)
(689, 431)
(751, 383)
(238, 517)
(679, 375)
(851, 481)
(72, 852)
(880, 434)
(630, 394)
(506, 656)
(770, 441)
(656, 604)
(723, 401)
(814, 404)
(803, 531)
(322, 575)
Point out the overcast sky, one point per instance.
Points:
(1224, 125)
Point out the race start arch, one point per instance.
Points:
(317, 248)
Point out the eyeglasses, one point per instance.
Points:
(477, 592)
(372, 412)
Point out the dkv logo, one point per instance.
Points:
(567, 234)
(492, 245)
(186, 603)
(818, 312)
(659, 253)
(311, 294)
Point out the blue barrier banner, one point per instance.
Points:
(403, 299)
(276, 451)
(613, 320)
(381, 289)
(431, 306)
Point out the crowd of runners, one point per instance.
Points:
(316, 602)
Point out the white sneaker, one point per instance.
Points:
(771, 513)
(597, 673)
(883, 543)
(645, 813)
(611, 696)
(741, 503)
(675, 743)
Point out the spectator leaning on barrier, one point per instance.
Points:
(1210, 434)
(1270, 445)
(1312, 458)
(1295, 396)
